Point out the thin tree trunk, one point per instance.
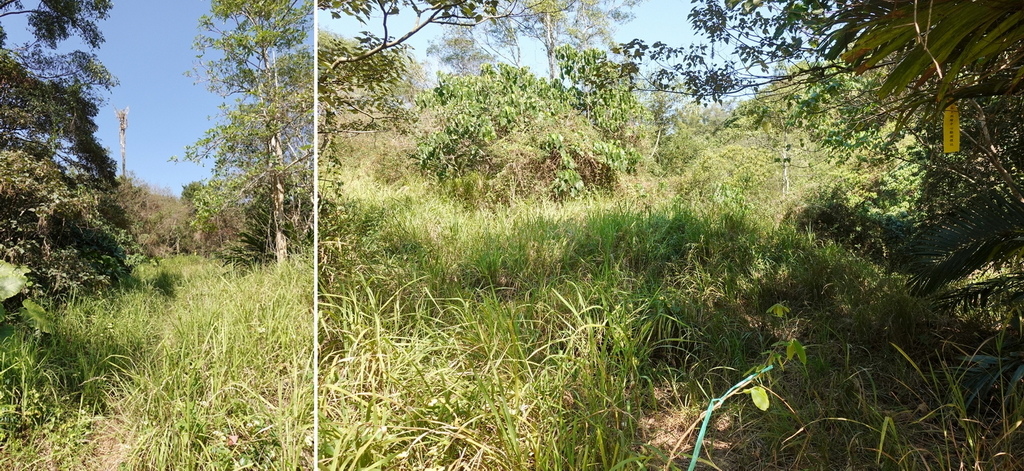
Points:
(277, 198)
(277, 170)
(550, 45)
(785, 172)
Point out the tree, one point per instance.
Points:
(48, 101)
(916, 58)
(442, 12)
(929, 54)
(54, 21)
(941, 50)
(458, 50)
(535, 135)
(56, 201)
(582, 24)
(262, 146)
(361, 96)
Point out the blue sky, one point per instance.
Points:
(655, 20)
(148, 48)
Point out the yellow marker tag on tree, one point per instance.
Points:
(951, 129)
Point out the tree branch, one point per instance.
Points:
(440, 14)
(989, 149)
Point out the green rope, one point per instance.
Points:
(711, 408)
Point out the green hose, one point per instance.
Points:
(711, 408)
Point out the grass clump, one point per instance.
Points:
(186, 365)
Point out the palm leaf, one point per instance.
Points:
(971, 42)
(985, 377)
(1006, 290)
(987, 232)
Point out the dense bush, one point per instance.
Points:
(514, 133)
(875, 218)
(71, 235)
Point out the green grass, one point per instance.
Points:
(187, 365)
(591, 335)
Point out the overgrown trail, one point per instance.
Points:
(188, 365)
(591, 334)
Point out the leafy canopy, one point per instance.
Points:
(363, 95)
(262, 145)
(57, 180)
(938, 51)
(444, 12)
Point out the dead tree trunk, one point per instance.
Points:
(122, 117)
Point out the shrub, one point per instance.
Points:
(875, 218)
(68, 232)
(516, 129)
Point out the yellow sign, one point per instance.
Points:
(951, 129)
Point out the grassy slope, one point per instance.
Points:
(590, 335)
(188, 365)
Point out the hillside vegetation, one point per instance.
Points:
(591, 333)
(764, 249)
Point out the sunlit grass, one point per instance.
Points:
(189, 365)
(590, 334)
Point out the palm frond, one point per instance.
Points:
(1007, 290)
(985, 233)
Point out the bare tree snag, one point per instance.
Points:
(122, 118)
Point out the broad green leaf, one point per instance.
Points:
(760, 397)
(778, 310)
(35, 315)
(6, 330)
(796, 348)
(12, 280)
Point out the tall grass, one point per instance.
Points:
(590, 334)
(188, 365)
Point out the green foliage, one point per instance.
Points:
(537, 327)
(35, 316)
(553, 24)
(251, 246)
(985, 234)
(760, 397)
(58, 213)
(54, 22)
(986, 378)
(263, 144)
(12, 280)
(52, 119)
(969, 47)
(363, 95)
(452, 12)
(70, 234)
(458, 50)
(506, 121)
(873, 215)
(158, 221)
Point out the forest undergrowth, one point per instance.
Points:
(592, 333)
(187, 364)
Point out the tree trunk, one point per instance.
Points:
(988, 148)
(550, 45)
(785, 172)
(277, 201)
